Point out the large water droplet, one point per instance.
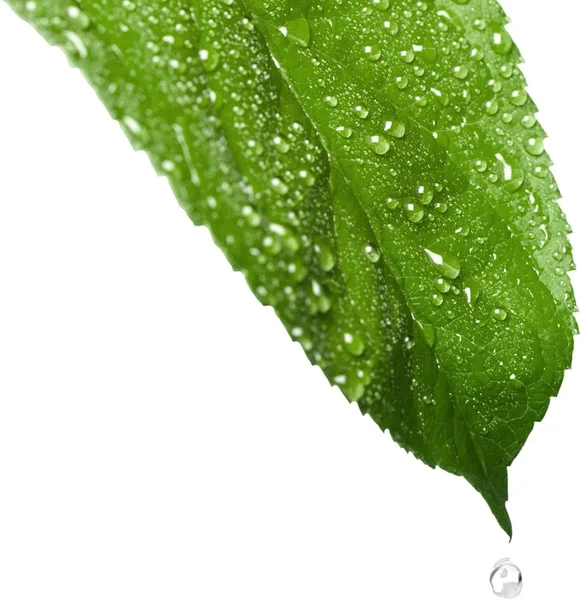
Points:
(379, 144)
(535, 146)
(354, 344)
(361, 112)
(501, 41)
(372, 53)
(500, 314)
(446, 264)
(506, 579)
(371, 253)
(298, 32)
(210, 59)
(414, 212)
(425, 194)
(395, 128)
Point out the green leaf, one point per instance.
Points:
(376, 171)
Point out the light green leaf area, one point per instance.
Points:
(376, 170)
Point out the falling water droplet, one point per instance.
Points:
(506, 579)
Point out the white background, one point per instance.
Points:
(160, 435)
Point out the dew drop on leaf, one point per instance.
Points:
(379, 144)
(446, 264)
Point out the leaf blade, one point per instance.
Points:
(318, 172)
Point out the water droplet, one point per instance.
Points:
(535, 146)
(279, 186)
(371, 253)
(392, 203)
(78, 46)
(281, 144)
(381, 4)
(344, 131)
(379, 144)
(518, 97)
(326, 256)
(425, 194)
(139, 134)
(395, 128)
(500, 314)
(331, 101)
(443, 285)
(446, 264)
(461, 72)
(501, 42)
(528, 121)
(402, 81)
(437, 299)
(491, 107)
(414, 212)
(77, 18)
(210, 59)
(506, 579)
(372, 53)
(354, 344)
(407, 56)
(361, 112)
(298, 32)
(354, 388)
(472, 291)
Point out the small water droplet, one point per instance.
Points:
(331, 101)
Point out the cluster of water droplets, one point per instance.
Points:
(274, 216)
